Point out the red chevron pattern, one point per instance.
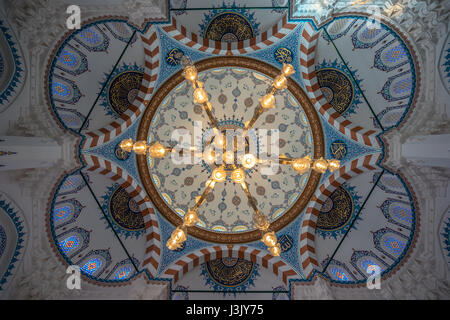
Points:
(151, 49)
(265, 39)
(307, 235)
(307, 66)
(178, 269)
(115, 173)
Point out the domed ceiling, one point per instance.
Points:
(112, 215)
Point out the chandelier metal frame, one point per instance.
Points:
(233, 167)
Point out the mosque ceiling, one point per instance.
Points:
(354, 81)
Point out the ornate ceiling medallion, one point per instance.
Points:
(160, 119)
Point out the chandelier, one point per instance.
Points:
(229, 158)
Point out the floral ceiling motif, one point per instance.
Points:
(148, 197)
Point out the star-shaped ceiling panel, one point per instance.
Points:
(109, 81)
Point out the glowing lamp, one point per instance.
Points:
(268, 101)
(301, 165)
(275, 250)
(190, 73)
(209, 156)
(157, 150)
(280, 82)
(172, 244)
(126, 145)
(228, 157)
(248, 161)
(178, 234)
(320, 165)
(190, 218)
(269, 239)
(219, 140)
(140, 147)
(333, 164)
(238, 175)
(200, 95)
(219, 175)
(287, 69)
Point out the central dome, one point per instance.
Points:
(234, 86)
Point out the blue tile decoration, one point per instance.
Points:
(15, 216)
(108, 151)
(17, 75)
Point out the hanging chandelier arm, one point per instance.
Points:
(251, 200)
(211, 117)
(258, 112)
(210, 186)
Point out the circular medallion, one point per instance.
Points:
(229, 27)
(174, 56)
(283, 55)
(125, 211)
(286, 242)
(337, 88)
(338, 149)
(229, 272)
(123, 90)
(220, 219)
(336, 211)
(120, 153)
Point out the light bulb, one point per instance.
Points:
(301, 165)
(280, 82)
(269, 239)
(140, 147)
(190, 73)
(172, 244)
(238, 175)
(268, 101)
(190, 218)
(200, 95)
(219, 174)
(126, 145)
(157, 150)
(320, 165)
(288, 69)
(219, 140)
(178, 235)
(333, 164)
(275, 250)
(228, 157)
(248, 161)
(209, 156)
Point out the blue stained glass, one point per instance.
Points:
(402, 213)
(394, 245)
(67, 58)
(402, 86)
(70, 183)
(370, 33)
(90, 36)
(366, 263)
(69, 244)
(60, 89)
(339, 274)
(122, 273)
(62, 213)
(394, 54)
(92, 266)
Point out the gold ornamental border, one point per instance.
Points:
(295, 90)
